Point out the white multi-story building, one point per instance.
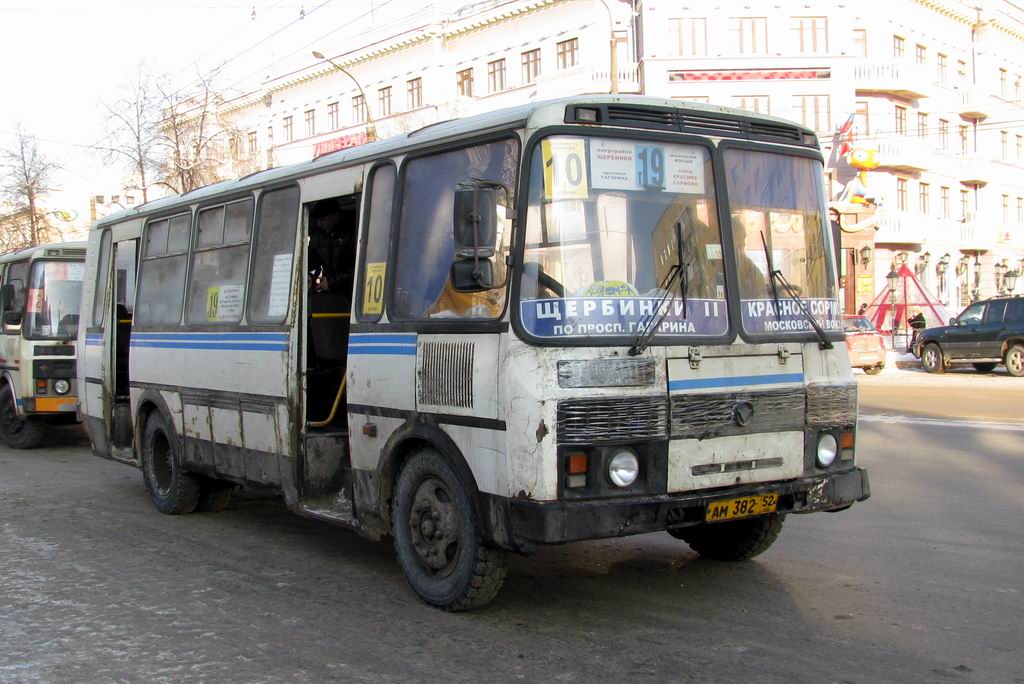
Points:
(934, 87)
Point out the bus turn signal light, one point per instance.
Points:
(577, 461)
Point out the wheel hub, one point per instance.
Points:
(433, 526)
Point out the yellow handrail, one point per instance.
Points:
(331, 315)
(334, 409)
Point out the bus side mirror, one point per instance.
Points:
(953, 321)
(472, 275)
(12, 318)
(7, 296)
(475, 232)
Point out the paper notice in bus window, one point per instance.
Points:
(280, 281)
(224, 303)
(373, 288)
(684, 169)
(36, 298)
(76, 271)
(565, 169)
(612, 164)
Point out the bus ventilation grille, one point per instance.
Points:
(831, 404)
(446, 374)
(594, 421)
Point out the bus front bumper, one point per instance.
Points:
(534, 522)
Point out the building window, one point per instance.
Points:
(901, 120)
(1006, 209)
(1020, 148)
(943, 134)
(99, 199)
(566, 51)
(287, 129)
(901, 194)
(1016, 88)
(115, 199)
(897, 47)
(496, 76)
(963, 139)
(924, 197)
(464, 81)
(811, 35)
(944, 201)
(1020, 209)
(750, 35)
(922, 125)
(815, 111)
(1002, 82)
(1004, 145)
(961, 70)
(332, 116)
(688, 37)
(359, 109)
(755, 103)
(920, 53)
(860, 42)
(965, 203)
(384, 101)
(310, 123)
(861, 120)
(531, 66)
(940, 65)
(414, 93)
(253, 143)
(130, 199)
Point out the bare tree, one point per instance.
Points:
(195, 140)
(25, 182)
(133, 137)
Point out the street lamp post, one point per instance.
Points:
(371, 129)
(1010, 281)
(614, 54)
(893, 278)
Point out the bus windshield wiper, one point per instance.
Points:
(676, 272)
(775, 276)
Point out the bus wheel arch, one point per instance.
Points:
(171, 487)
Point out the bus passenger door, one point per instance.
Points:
(123, 301)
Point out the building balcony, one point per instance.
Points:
(905, 154)
(903, 79)
(901, 227)
(978, 232)
(974, 104)
(974, 170)
(582, 79)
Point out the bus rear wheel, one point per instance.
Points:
(172, 489)
(437, 537)
(739, 540)
(16, 431)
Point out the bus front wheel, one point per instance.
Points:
(172, 490)
(16, 431)
(437, 537)
(732, 541)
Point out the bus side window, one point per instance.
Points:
(100, 292)
(374, 260)
(426, 247)
(271, 277)
(162, 271)
(216, 288)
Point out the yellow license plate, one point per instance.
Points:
(744, 507)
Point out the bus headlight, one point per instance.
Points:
(827, 449)
(623, 468)
(61, 386)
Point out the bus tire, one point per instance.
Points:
(437, 537)
(739, 540)
(173, 490)
(214, 496)
(16, 431)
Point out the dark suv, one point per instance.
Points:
(985, 334)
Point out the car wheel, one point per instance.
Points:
(931, 358)
(1015, 360)
(172, 489)
(437, 537)
(874, 370)
(984, 367)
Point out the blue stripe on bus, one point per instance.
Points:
(213, 336)
(371, 338)
(735, 381)
(169, 344)
(382, 350)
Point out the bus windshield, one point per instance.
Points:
(54, 296)
(778, 217)
(622, 235)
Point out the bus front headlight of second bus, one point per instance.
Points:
(827, 449)
(61, 386)
(623, 468)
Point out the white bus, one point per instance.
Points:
(584, 318)
(41, 293)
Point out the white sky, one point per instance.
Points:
(61, 59)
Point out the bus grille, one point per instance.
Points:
(446, 374)
(596, 421)
(829, 405)
(715, 415)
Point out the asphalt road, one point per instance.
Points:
(920, 583)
